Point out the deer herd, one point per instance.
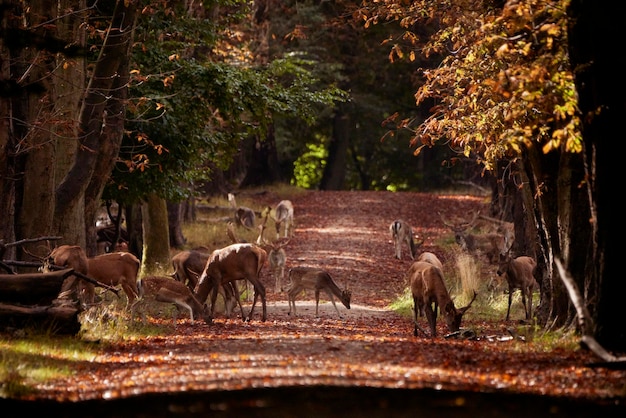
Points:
(200, 275)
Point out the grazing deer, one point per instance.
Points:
(276, 253)
(111, 269)
(115, 269)
(308, 278)
(429, 292)
(168, 290)
(491, 244)
(226, 265)
(401, 232)
(188, 266)
(430, 258)
(277, 259)
(519, 275)
(244, 216)
(72, 256)
(284, 216)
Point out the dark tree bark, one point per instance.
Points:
(32, 288)
(601, 101)
(175, 221)
(110, 142)
(108, 74)
(334, 174)
(261, 161)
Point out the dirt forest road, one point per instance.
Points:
(365, 363)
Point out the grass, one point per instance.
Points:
(464, 275)
(29, 357)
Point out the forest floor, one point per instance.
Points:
(366, 362)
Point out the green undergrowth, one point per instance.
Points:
(463, 275)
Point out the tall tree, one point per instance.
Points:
(602, 105)
(60, 131)
(507, 95)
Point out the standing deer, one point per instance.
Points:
(401, 232)
(72, 256)
(276, 254)
(226, 265)
(112, 269)
(430, 258)
(115, 269)
(284, 216)
(309, 278)
(429, 292)
(188, 266)
(519, 275)
(492, 245)
(277, 259)
(168, 290)
(244, 216)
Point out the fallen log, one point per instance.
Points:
(62, 319)
(32, 288)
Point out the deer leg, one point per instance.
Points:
(317, 301)
(231, 291)
(214, 288)
(332, 299)
(431, 315)
(259, 291)
(527, 298)
(508, 310)
(415, 312)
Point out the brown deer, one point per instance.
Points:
(188, 266)
(226, 265)
(492, 245)
(430, 258)
(309, 278)
(519, 274)
(277, 259)
(111, 269)
(72, 256)
(284, 216)
(401, 233)
(244, 216)
(429, 292)
(168, 290)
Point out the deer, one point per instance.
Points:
(284, 216)
(427, 257)
(114, 269)
(491, 244)
(429, 292)
(188, 266)
(277, 259)
(519, 274)
(166, 289)
(226, 265)
(401, 232)
(316, 279)
(244, 216)
(110, 270)
(72, 256)
(430, 258)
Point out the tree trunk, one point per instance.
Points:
(55, 99)
(335, 170)
(261, 161)
(134, 228)
(175, 214)
(601, 101)
(69, 213)
(110, 142)
(156, 248)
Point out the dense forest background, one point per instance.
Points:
(147, 104)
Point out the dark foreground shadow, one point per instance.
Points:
(322, 401)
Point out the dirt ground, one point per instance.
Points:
(364, 361)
